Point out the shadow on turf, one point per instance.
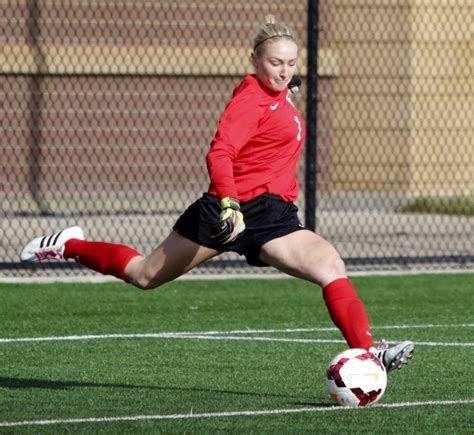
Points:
(55, 385)
(17, 383)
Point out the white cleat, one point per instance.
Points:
(50, 247)
(394, 357)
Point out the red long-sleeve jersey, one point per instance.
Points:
(257, 144)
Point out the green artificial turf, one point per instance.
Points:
(235, 360)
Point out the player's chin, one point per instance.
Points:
(280, 85)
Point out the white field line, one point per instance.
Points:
(165, 335)
(227, 414)
(325, 329)
(305, 340)
(237, 335)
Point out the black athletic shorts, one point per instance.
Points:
(266, 217)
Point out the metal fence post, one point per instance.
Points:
(311, 115)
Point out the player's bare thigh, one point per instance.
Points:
(175, 256)
(306, 255)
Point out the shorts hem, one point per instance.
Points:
(280, 233)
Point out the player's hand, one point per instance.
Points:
(231, 222)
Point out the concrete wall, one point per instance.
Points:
(403, 96)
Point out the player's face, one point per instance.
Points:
(277, 64)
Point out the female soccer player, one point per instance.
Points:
(249, 206)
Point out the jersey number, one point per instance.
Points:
(299, 128)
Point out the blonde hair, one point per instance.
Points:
(269, 31)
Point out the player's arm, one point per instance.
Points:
(236, 126)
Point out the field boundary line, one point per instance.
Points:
(308, 340)
(326, 329)
(227, 414)
(241, 335)
(214, 332)
(165, 335)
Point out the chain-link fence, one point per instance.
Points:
(108, 109)
(395, 131)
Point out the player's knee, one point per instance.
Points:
(144, 284)
(139, 274)
(333, 265)
(337, 264)
(145, 281)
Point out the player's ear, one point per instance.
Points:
(253, 59)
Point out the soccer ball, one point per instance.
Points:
(356, 378)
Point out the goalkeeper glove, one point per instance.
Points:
(231, 222)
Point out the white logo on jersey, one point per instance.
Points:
(299, 128)
(274, 106)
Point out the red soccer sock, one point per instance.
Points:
(103, 257)
(348, 313)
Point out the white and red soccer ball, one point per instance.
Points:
(356, 378)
